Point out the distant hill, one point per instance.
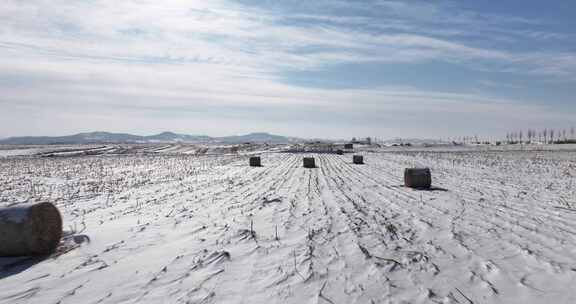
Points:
(174, 137)
(256, 138)
(164, 137)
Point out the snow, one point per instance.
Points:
(16, 152)
(500, 227)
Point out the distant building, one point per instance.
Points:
(366, 141)
(320, 147)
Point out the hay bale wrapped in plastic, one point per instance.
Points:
(418, 178)
(309, 162)
(255, 161)
(29, 229)
(358, 159)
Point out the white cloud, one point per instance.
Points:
(221, 32)
(60, 55)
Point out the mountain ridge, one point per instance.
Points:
(163, 137)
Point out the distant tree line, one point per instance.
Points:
(529, 136)
(549, 136)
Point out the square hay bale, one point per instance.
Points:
(419, 178)
(349, 146)
(255, 161)
(309, 162)
(358, 159)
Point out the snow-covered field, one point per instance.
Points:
(500, 227)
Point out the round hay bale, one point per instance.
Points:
(255, 161)
(29, 229)
(418, 178)
(358, 159)
(309, 162)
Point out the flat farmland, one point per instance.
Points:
(497, 227)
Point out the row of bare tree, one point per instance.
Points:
(545, 136)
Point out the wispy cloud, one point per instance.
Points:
(221, 32)
(201, 55)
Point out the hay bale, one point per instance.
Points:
(309, 162)
(358, 159)
(418, 178)
(348, 146)
(255, 161)
(339, 152)
(29, 229)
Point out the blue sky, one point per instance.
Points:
(321, 68)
